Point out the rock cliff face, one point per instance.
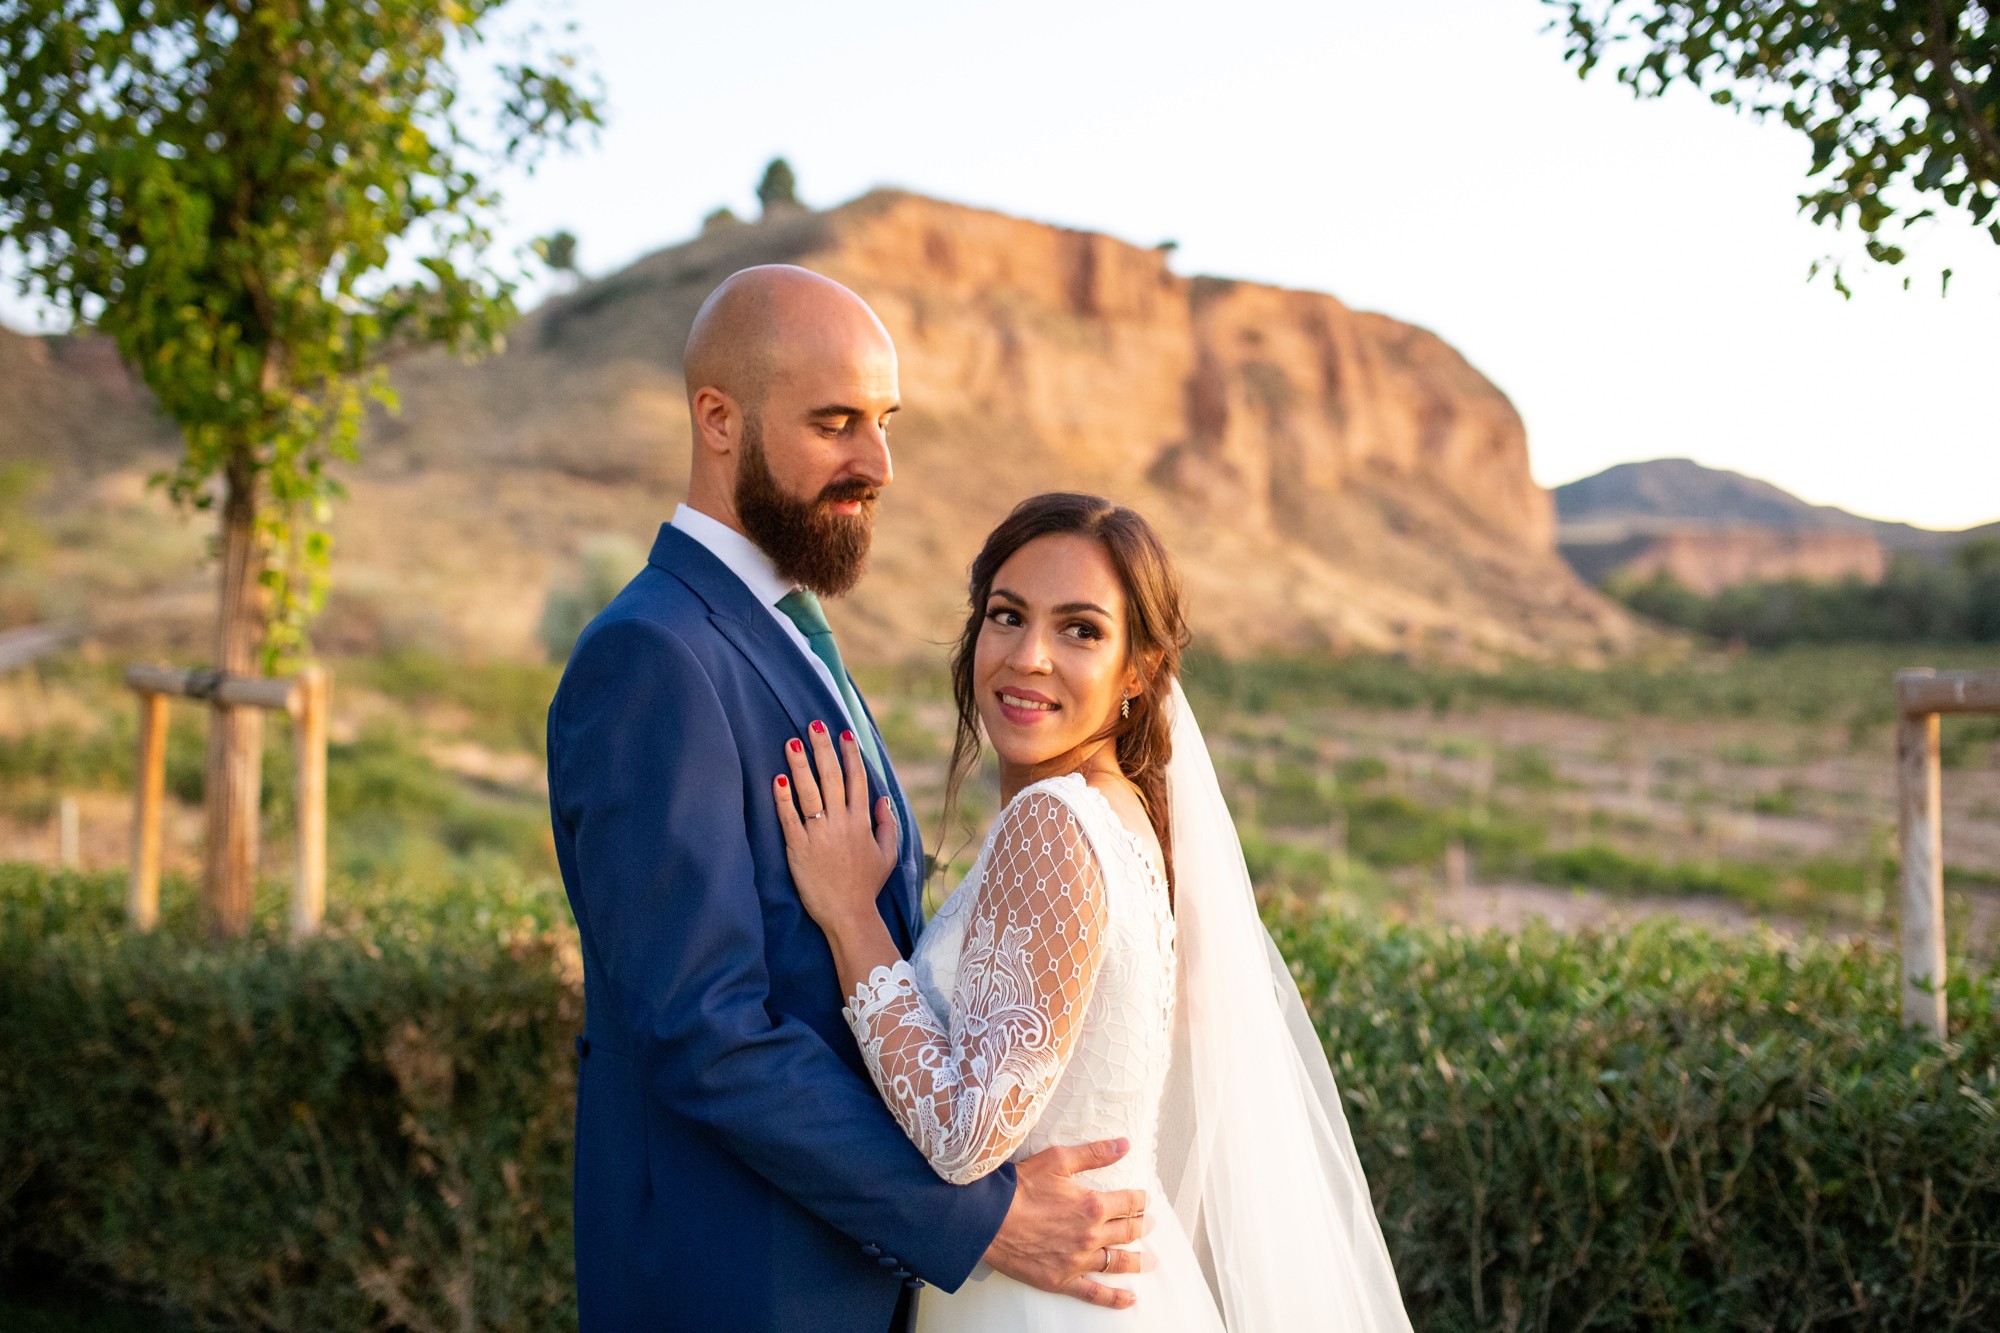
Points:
(1327, 478)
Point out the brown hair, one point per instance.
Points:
(1155, 634)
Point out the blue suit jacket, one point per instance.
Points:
(735, 1168)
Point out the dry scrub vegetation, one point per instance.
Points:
(1728, 790)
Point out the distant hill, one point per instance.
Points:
(1329, 478)
(1679, 492)
(1712, 528)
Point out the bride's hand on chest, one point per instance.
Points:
(841, 851)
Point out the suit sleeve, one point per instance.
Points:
(646, 775)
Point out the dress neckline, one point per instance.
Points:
(1133, 841)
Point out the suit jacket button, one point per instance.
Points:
(913, 1284)
(890, 1261)
(872, 1250)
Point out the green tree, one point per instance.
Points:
(1901, 101)
(221, 186)
(778, 189)
(558, 251)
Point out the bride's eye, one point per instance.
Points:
(1083, 629)
(1005, 616)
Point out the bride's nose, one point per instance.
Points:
(1030, 655)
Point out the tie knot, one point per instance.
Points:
(804, 610)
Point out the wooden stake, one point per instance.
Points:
(1457, 877)
(149, 788)
(69, 834)
(309, 740)
(1921, 824)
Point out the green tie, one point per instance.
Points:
(804, 610)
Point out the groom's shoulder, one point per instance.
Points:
(655, 614)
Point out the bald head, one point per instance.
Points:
(791, 381)
(761, 322)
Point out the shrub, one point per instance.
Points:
(1660, 1130)
(609, 562)
(1848, 682)
(367, 1130)
(1921, 598)
(1652, 1131)
(506, 704)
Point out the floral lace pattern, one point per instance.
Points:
(1052, 966)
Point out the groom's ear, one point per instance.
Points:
(717, 420)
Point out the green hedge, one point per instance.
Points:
(1658, 1130)
(368, 1131)
(1662, 1130)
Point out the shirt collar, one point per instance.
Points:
(743, 556)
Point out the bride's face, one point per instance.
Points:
(1052, 663)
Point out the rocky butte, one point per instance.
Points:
(1329, 479)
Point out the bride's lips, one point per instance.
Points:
(1024, 708)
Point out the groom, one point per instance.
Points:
(735, 1168)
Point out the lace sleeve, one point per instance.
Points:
(968, 1094)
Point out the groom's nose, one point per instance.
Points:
(868, 458)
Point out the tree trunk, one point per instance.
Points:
(235, 735)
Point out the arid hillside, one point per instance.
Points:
(1329, 478)
(1707, 560)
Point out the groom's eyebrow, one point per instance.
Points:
(832, 410)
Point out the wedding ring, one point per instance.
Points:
(817, 814)
(1107, 1260)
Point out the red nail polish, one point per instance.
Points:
(784, 781)
(794, 746)
(847, 735)
(819, 728)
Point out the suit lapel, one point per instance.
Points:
(912, 850)
(776, 658)
(800, 690)
(806, 700)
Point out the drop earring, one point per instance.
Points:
(1125, 706)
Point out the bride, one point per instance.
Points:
(1101, 971)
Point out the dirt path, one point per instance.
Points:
(1508, 906)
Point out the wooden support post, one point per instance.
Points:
(69, 834)
(149, 787)
(1921, 695)
(309, 722)
(1921, 825)
(305, 697)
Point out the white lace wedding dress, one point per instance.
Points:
(1039, 1010)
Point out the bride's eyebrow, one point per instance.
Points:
(1007, 595)
(1069, 608)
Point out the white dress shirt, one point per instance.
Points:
(749, 563)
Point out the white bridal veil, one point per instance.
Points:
(1255, 1150)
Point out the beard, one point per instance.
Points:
(808, 543)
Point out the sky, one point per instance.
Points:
(1633, 274)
